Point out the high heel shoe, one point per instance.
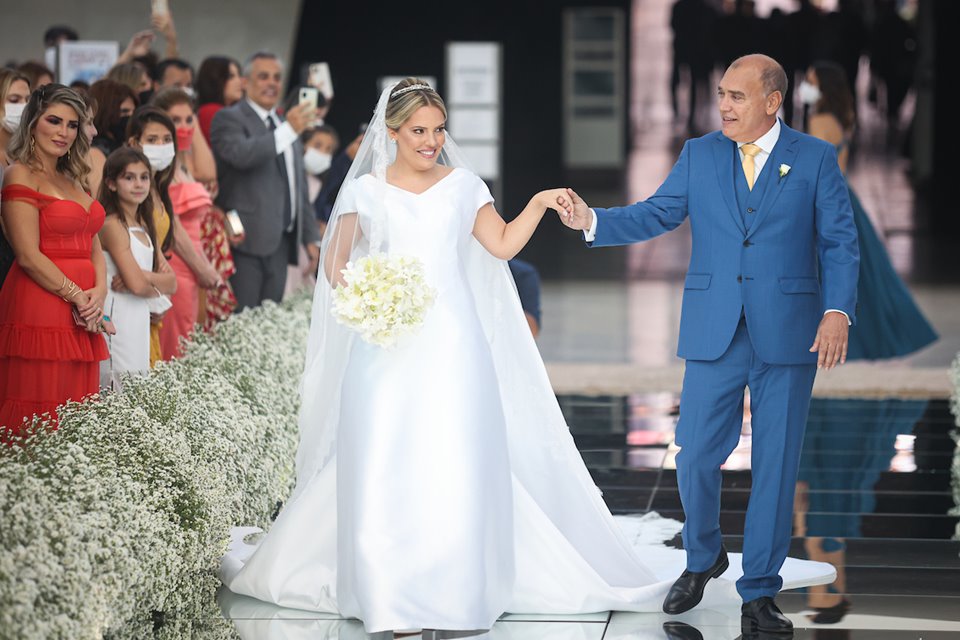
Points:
(831, 615)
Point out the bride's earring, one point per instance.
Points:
(393, 140)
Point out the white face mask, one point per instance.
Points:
(12, 112)
(809, 93)
(316, 162)
(159, 155)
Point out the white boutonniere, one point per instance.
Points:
(784, 170)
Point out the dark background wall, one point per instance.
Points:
(363, 41)
(938, 201)
(946, 152)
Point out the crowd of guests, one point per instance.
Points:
(708, 35)
(155, 199)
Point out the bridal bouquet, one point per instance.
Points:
(384, 298)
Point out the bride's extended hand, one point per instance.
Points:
(580, 217)
(556, 199)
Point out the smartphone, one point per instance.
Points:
(105, 322)
(309, 95)
(159, 7)
(318, 75)
(233, 224)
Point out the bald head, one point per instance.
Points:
(750, 94)
(772, 76)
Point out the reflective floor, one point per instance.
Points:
(873, 500)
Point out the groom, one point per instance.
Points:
(768, 298)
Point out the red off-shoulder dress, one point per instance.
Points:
(45, 358)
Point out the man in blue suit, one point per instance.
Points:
(768, 298)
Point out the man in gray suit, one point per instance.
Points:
(260, 168)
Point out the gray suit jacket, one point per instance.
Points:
(251, 182)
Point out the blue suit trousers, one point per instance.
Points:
(711, 416)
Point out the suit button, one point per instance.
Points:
(746, 243)
(749, 209)
(739, 278)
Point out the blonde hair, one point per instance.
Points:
(21, 149)
(128, 73)
(403, 104)
(7, 78)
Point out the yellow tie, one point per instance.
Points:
(750, 151)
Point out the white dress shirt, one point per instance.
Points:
(766, 142)
(283, 136)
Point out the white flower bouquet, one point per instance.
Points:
(385, 297)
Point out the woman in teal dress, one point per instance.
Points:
(889, 322)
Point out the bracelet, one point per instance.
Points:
(62, 285)
(72, 291)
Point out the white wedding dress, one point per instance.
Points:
(130, 347)
(453, 491)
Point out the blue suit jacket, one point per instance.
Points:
(798, 258)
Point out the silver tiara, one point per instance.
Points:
(412, 87)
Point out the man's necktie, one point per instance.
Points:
(750, 152)
(282, 164)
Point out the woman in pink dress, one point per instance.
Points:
(191, 203)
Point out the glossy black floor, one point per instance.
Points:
(873, 499)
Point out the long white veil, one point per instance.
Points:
(329, 343)
(544, 459)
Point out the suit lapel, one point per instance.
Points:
(722, 159)
(251, 115)
(784, 152)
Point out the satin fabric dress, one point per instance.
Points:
(890, 324)
(45, 358)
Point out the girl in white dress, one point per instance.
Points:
(139, 275)
(437, 483)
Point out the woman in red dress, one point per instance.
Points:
(219, 84)
(46, 355)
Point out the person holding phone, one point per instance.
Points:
(260, 166)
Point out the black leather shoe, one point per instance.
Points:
(687, 591)
(763, 615)
(681, 631)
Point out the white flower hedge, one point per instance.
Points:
(113, 526)
(955, 467)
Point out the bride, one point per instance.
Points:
(438, 485)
